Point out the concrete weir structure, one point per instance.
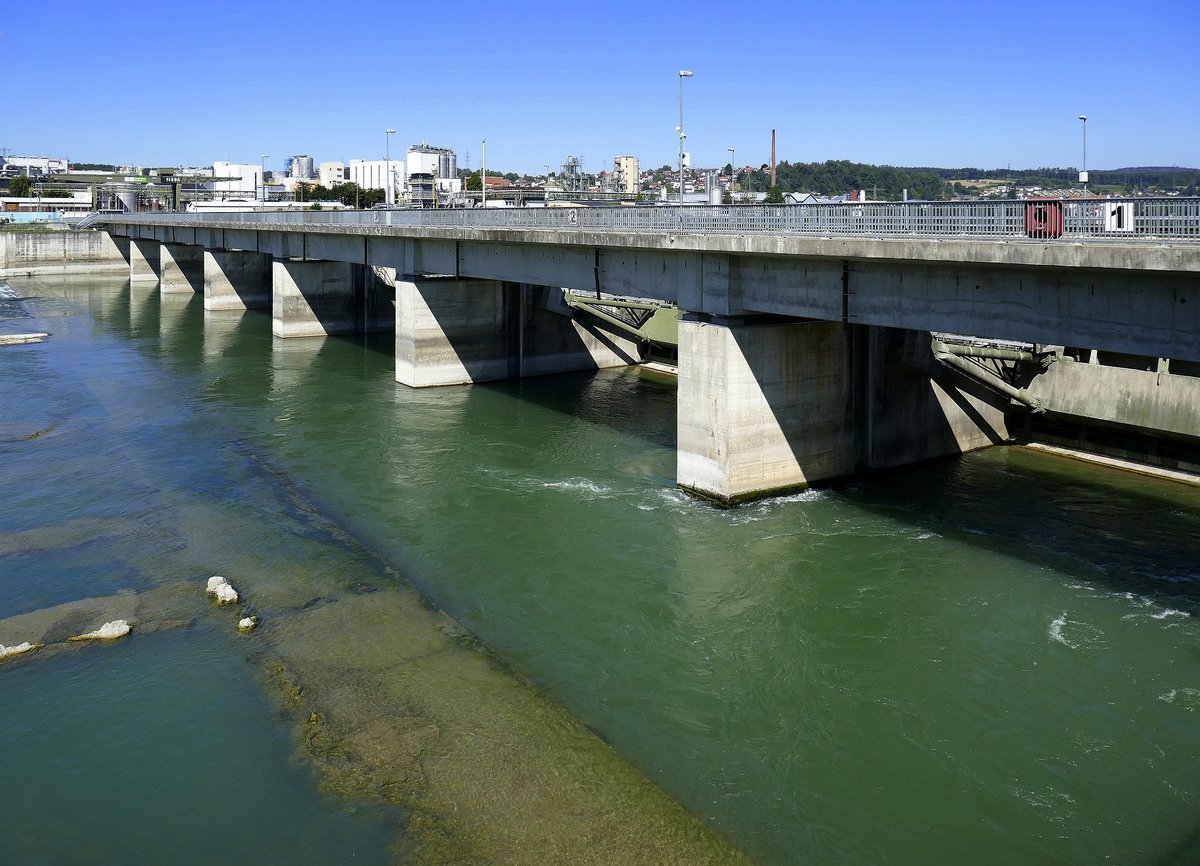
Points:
(802, 358)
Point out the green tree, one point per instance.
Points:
(727, 197)
(774, 196)
(20, 186)
(473, 182)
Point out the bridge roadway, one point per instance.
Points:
(788, 351)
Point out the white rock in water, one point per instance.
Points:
(6, 651)
(247, 623)
(108, 631)
(222, 589)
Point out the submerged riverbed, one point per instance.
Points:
(991, 658)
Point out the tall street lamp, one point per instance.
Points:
(389, 196)
(546, 186)
(483, 176)
(262, 172)
(683, 73)
(732, 171)
(1083, 175)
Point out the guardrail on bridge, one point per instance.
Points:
(1138, 219)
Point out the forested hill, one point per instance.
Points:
(836, 177)
(839, 176)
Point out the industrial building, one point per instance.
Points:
(432, 174)
(628, 173)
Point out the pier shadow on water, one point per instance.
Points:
(1117, 530)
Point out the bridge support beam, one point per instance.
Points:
(143, 259)
(316, 298)
(764, 406)
(455, 331)
(180, 269)
(236, 280)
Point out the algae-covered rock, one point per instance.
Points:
(248, 623)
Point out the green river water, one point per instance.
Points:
(483, 607)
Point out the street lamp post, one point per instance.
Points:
(1083, 175)
(683, 73)
(262, 173)
(483, 176)
(732, 171)
(389, 196)
(546, 186)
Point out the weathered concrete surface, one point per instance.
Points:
(916, 409)
(180, 269)
(1147, 399)
(1126, 297)
(451, 332)
(235, 280)
(762, 407)
(144, 259)
(312, 299)
(550, 342)
(28, 253)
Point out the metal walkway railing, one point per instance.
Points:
(1139, 219)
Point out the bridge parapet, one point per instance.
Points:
(1149, 220)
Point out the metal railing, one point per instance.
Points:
(1144, 219)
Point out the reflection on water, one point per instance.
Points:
(988, 659)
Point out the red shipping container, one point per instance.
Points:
(1044, 218)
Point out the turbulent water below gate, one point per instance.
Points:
(991, 659)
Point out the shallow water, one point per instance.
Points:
(989, 659)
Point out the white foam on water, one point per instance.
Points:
(1186, 697)
(582, 485)
(1055, 631)
(1169, 612)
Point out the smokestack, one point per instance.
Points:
(773, 179)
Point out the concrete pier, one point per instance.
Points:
(313, 298)
(763, 406)
(453, 331)
(181, 269)
(235, 280)
(144, 259)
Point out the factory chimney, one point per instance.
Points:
(773, 178)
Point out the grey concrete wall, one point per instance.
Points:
(236, 280)
(915, 409)
(180, 269)
(313, 298)
(1149, 399)
(144, 259)
(26, 253)
(763, 407)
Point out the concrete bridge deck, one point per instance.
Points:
(803, 355)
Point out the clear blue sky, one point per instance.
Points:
(903, 83)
